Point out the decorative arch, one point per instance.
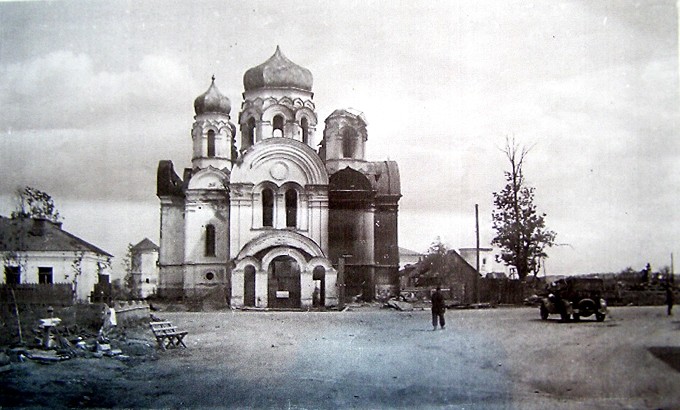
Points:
(285, 251)
(349, 179)
(276, 109)
(209, 178)
(248, 260)
(284, 239)
(301, 162)
(305, 112)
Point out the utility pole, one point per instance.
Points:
(477, 253)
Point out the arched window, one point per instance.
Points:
(304, 124)
(291, 208)
(250, 132)
(267, 207)
(210, 240)
(277, 125)
(211, 144)
(348, 139)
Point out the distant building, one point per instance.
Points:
(40, 251)
(485, 258)
(145, 268)
(263, 216)
(409, 257)
(459, 278)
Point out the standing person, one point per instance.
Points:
(438, 308)
(669, 298)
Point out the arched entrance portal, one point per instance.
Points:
(249, 286)
(284, 283)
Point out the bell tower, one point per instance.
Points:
(212, 133)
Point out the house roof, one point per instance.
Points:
(145, 245)
(27, 234)
(404, 251)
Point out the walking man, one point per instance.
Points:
(438, 308)
(669, 299)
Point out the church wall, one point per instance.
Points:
(351, 232)
(203, 210)
(171, 252)
(207, 282)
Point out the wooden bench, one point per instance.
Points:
(167, 335)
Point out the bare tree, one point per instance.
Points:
(520, 229)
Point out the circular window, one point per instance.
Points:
(210, 276)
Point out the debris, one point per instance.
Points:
(399, 305)
(45, 356)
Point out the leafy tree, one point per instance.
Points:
(520, 230)
(129, 264)
(34, 203)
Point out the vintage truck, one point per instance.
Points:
(575, 297)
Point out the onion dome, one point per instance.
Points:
(278, 72)
(212, 101)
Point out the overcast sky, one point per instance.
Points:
(94, 94)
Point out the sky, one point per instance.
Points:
(93, 94)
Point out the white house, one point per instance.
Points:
(39, 251)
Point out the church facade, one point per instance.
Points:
(262, 218)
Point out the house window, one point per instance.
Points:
(45, 275)
(267, 207)
(291, 208)
(210, 240)
(305, 130)
(277, 126)
(12, 275)
(348, 139)
(211, 144)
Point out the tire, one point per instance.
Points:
(544, 312)
(587, 306)
(599, 317)
(564, 316)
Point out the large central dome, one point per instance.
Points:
(278, 72)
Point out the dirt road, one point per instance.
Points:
(375, 358)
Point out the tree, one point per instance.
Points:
(520, 229)
(34, 203)
(130, 265)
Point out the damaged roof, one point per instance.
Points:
(28, 234)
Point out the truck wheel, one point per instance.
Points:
(564, 316)
(599, 317)
(544, 313)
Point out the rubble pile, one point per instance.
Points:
(53, 342)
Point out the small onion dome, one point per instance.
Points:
(278, 72)
(212, 101)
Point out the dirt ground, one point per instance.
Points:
(368, 357)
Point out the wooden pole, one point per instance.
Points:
(477, 253)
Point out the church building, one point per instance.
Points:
(269, 209)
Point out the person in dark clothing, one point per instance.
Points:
(669, 299)
(438, 309)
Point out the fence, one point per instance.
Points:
(502, 291)
(57, 294)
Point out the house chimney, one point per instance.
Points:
(38, 226)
